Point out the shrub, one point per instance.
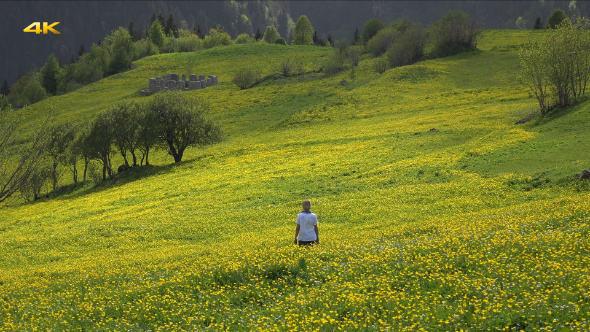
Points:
(217, 37)
(246, 77)
(189, 43)
(291, 66)
(455, 33)
(244, 38)
(371, 28)
(335, 63)
(380, 65)
(408, 48)
(281, 41)
(381, 41)
(143, 48)
(354, 54)
(169, 45)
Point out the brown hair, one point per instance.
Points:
(306, 205)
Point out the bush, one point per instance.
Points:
(246, 77)
(217, 37)
(190, 43)
(380, 65)
(381, 41)
(169, 45)
(408, 48)
(455, 33)
(244, 38)
(281, 41)
(143, 48)
(291, 66)
(335, 63)
(371, 28)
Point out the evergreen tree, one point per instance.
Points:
(5, 89)
(81, 51)
(258, 35)
(49, 74)
(171, 27)
(135, 34)
(330, 40)
(199, 32)
(538, 24)
(356, 37)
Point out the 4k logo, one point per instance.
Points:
(36, 28)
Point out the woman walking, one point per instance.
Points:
(306, 231)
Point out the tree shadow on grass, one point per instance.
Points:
(87, 187)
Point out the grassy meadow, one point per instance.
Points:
(436, 211)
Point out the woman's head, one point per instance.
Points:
(306, 205)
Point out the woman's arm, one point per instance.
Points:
(297, 232)
(317, 234)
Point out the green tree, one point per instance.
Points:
(371, 28)
(555, 67)
(99, 141)
(555, 19)
(120, 47)
(147, 130)
(59, 140)
(124, 128)
(17, 166)
(156, 34)
(27, 90)
(271, 35)
(49, 74)
(303, 32)
(182, 123)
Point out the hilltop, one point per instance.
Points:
(437, 211)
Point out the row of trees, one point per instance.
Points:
(130, 129)
(555, 66)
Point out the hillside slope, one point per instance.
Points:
(436, 211)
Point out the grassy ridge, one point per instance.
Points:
(444, 229)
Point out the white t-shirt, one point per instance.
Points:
(306, 221)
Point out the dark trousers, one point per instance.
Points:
(305, 243)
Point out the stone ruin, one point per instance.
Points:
(173, 82)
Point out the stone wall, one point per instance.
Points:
(173, 82)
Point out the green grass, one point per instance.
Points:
(478, 225)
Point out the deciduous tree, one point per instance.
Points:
(303, 32)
